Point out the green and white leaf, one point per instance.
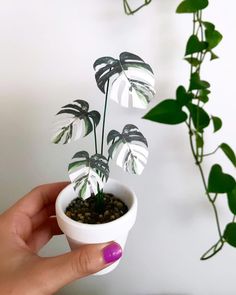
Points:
(76, 122)
(129, 148)
(89, 174)
(131, 79)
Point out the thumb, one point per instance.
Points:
(60, 270)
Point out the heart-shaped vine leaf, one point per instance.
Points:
(209, 26)
(217, 123)
(199, 116)
(194, 45)
(132, 80)
(193, 61)
(89, 174)
(191, 6)
(228, 151)
(203, 95)
(77, 121)
(168, 111)
(220, 182)
(213, 38)
(129, 148)
(196, 83)
(230, 234)
(213, 55)
(232, 200)
(213, 250)
(182, 96)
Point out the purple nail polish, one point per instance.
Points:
(112, 252)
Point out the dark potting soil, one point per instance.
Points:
(86, 211)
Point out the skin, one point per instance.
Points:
(24, 229)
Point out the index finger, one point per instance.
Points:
(38, 198)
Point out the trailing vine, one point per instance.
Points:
(128, 10)
(188, 107)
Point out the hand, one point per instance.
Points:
(24, 229)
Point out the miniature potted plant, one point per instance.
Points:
(95, 208)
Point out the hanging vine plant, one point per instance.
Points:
(188, 107)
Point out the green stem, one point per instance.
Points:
(95, 138)
(205, 184)
(209, 154)
(129, 11)
(104, 116)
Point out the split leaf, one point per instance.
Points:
(129, 148)
(88, 174)
(77, 121)
(131, 79)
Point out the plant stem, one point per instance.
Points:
(104, 116)
(205, 155)
(129, 11)
(205, 184)
(95, 138)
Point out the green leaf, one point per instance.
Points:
(194, 45)
(217, 123)
(191, 6)
(232, 200)
(213, 38)
(203, 95)
(167, 112)
(220, 182)
(209, 26)
(213, 55)
(182, 96)
(196, 83)
(230, 234)
(228, 151)
(193, 61)
(199, 140)
(199, 116)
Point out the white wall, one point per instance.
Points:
(47, 49)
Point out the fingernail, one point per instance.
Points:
(112, 252)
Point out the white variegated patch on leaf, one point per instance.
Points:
(131, 79)
(88, 174)
(129, 148)
(76, 121)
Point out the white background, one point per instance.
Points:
(47, 49)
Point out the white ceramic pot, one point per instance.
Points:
(80, 233)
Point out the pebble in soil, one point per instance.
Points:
(84, 211)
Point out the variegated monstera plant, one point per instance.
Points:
(128, 81)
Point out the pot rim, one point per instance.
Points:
(61, 214)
